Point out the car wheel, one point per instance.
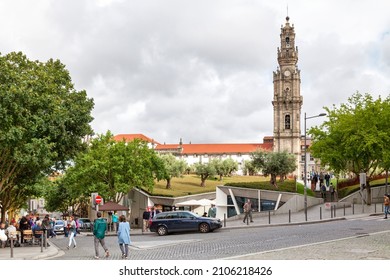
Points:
(203, 228)
(162, 230)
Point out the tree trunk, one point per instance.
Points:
(273, 180)
(3, 214)
(168, 186)
(368, 187)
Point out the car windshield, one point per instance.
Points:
(84, 220)
(59, 223)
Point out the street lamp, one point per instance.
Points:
(305, 167)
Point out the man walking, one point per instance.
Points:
(99, 232)
(386, 202)
(248, 211)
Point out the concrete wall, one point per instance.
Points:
(377, 194)
(292, 201)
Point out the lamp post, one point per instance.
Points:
(305, 166)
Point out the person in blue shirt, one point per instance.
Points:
(124, 236)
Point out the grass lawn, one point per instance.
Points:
(190, 184)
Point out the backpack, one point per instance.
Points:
(323, 188)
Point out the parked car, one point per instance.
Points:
(85, 224)
(59, 226)
(181, 221)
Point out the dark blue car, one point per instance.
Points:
(180, 221)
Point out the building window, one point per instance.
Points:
(287, 122)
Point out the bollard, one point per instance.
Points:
(45, 237)
(331, 212)
(335, 211)
(269, 217)
(375, 208)
(320, 213)
(353, 208)
(289, 216)
(224, 220)
(12, 246)
(344, 209)
(42, 242)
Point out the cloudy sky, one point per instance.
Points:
(201, 70)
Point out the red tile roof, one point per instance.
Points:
(216, 148)
(131, 137)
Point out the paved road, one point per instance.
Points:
(353, 238)
(258, 240)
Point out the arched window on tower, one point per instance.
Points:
(287, 122)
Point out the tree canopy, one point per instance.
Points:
(173, 167)
(274, 164)
(355, 138)
(43, 120)
(112, 168)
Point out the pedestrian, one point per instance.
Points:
(115, 221)
(154, 212)
(212, 211)
(248, 211)
(24, 224)
(323, 192)
(99, 232)
(72, 232)
(124, 236)
(327, 179)
(386, 202)
(46, 225)
(331, 190)
(146, 216)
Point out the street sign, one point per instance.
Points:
(98, 199)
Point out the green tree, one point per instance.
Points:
(249, 168)
(274, 164)
(173, 167)
(204, 170)
(224, 167)
(43, 120)
(113, 168)
(355, 138)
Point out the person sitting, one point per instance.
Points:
(3, 235)
(12, 231)
(37, 227)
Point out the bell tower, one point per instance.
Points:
(287, 100)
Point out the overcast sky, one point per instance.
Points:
(201, 70)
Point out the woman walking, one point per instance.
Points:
(124, 236)
(72, 232)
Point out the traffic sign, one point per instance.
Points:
(98, 199)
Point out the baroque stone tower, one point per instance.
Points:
(287, 101)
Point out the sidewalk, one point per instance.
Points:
(315, 214)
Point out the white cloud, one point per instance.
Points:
(202, 70)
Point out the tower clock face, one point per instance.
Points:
(287, 73)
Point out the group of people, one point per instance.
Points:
(147, 217)
(28, 222)
(123, 233)
(99, 233)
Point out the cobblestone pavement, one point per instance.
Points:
(360, 238)
(366, 247)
